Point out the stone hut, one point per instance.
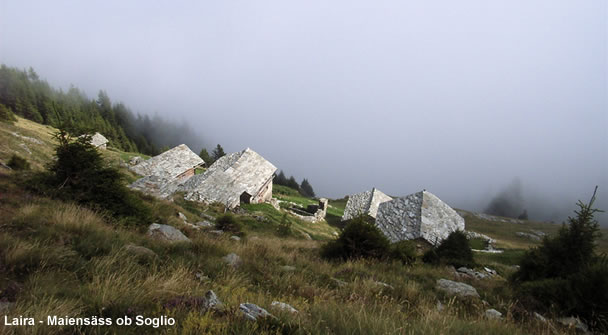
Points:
(165, 172)
(98, 141)
(177, 163)
(240, 177)
(364, 203)
(418, 215)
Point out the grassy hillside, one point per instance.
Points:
(58, 258)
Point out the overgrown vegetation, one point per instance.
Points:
(6, 115)
(79, 174)
(229, 223)
(566, 274)
(18, 163)
(454, 250)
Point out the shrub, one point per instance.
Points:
(565, 273)
(6, 115)
(405, 251)
(285, 226)
(454, 250)
(359, 239)
(228, 222)
(18, 163)
(79, 174)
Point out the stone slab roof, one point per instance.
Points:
(230, 176)
(418, 215)
(169, 164)
(156, 186)
(364, 203)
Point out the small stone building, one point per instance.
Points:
(239, 177)
(98, 141)
(418, 215)
(364, 203)
(163, 173)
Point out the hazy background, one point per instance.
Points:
(463, 98)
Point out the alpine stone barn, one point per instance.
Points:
(364, 203)
(239, 177)
(163, 173)
(418, 215)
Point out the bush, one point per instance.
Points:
(565, 273)
(359, 239)
(285, 226)
(405, 251)
(228, 222)
(79, 174)
(6, 115)
(18, 163)
(454, 250)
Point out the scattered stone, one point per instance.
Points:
(540, 317)
(139, 251)
(340, 283)
(306, 236)
(440, 306)
(5, 166)
(27, 138)
(135, 160)
(235, 238)
(471, 273)
(490, 271)
(207, 216)
(493, 314)
(457, 288)
(528, 235)
(233, 260)
(253, 312)
(25, 147)
(204, 224)
(201, 276)
(576, 323)
(216, 232)
(335, 234)
(283, 306)
(288, 268)
(208, 302)
(182, 216)
(275, 203)
(379, 283)
(166, 233)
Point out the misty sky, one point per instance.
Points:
(457, 97)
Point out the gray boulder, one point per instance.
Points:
(456, 288)
(212, 301)
(233, 260)
(167, 233)
(204, 224)
(139, 251)
(284, 307)
(471, 273)
(253, 312)
(235, 238)
(575, 323)
(493, 314)
(182, 216)
(135, 160)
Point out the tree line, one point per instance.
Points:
(305, 188)
(23, 92)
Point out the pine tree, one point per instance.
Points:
(306, 189)
(291, 182)
(280, 179)
(204, 155)
(218, 152)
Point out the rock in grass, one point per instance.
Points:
(575, 323)
(288, 268)
(166, 233)
(493, 314)
(235, 238)
(139, 251)
(457, 288)
(204, 224)
(253, 312)
(208, 302)
(233, 260)
(283, 306)
(182, 216)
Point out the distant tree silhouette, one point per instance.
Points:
(218, 152)
(306, 188)
(204, 155)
